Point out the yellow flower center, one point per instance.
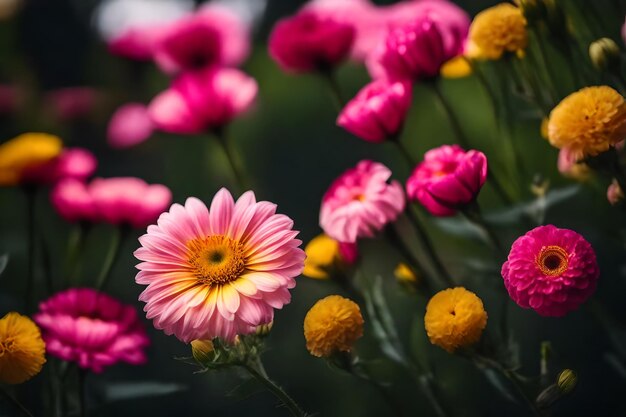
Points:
(216, 259)
(552, 260)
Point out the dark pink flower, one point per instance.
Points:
(349, 252)
(76, 163)
(199, 101)
(135, 43)
(378, 111)
(72, 103)
(92, 329)
(448, 179)
(130, 125)
(72, 201)
(309, 41)
(551, 270)
(361, 202)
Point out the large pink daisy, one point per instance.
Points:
(218, 272)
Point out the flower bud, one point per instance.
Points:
(264, 329)
(614, 193)
(406, 276)
(203, 351)
(605, 55)
(566, 381)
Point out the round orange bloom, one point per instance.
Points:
(22, 350)
(455, 318)
(499, 29)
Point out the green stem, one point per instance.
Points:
(75, 248)
(11, 399)
(543, 57)
(233, 159)
(406, 155)
(514, 379)
(393, 237)
(257, 371)
(82, 400)
(477, 71)
(113, 253)
(334, 88)
(31, 198)
(472, 213)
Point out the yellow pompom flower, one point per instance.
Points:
(324, 254)
(22, 350)
(457, 67)
(455, 318)
(25, 151)
(332, 325)
(499, 29)
(588, 122)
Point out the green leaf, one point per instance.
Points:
(4, 261)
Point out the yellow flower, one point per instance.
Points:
(457, 67)
(22, 351)
(499, 29)
(588, 122)
(405, 274)
(323, 254)
(25, 151)
(455, 318)
(333, 324)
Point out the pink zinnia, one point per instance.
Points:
(361, 202)
(199, 101)
(92, 329)
(310, 41)
(218, 272)
(551, 270)
(76, 163)
(448, 179)
(130, 125)
(378, 111)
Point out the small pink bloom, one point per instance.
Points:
(130, 125)
(614, 193)
(361, 202)
(233, 30)
(551, 270)
(378, 111)
(9, 99)
(136, 43)
(310, 41)
(199, 101)
(349, 252)
(92, 329)
(448, 179)
(218, 271)
(76, 163)
(623, 32)
(128, 200)
(72, 201)
(72, 103)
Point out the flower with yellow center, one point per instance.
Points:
(26, 151)
(499, 29)
(455, 318)
(22, 350)
(588, 122)
(332, 325)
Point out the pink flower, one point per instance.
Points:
(349, 252)
(130, 125)
(92, 329)
(361, 202)
(72, 103)
(218, 272)
(623, 32)
(378, 111)
(569, 166)
(309, 41)
(199, 101)
(77, 163)
(448, 179)
(71, 199)
(10, 97)
(136, 43)
(614, 193)
(551, 270)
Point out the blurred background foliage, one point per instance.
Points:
(293, 150)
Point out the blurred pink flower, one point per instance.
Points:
(349, 252)
(623, 32)
(234, 31)
(72, 201)
(218, 272)
(361, 202)
(551, 270)
(568, 166)
(135, 43)
(72, 103)
(92, 329)
(378, 111)
(130, 125)
(9, 99)
(448, 179)
(614, 193)
(77, 163)
(199, 101)
(310, 41)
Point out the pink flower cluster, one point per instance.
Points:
(92, 329)
(73, 163)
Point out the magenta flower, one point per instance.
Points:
(199, 101)
(448, 179)
(310, 41)
(130, 125)
(72, 201)
(349, 252)
(76, 163)
(136, 43)
(218, 272)
(92, 329)
(378, 111)
(551, 270)
(361, 202)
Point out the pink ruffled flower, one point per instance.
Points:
(378, 111)
(92, 329)
(76, 163)
(551, 270)
(310, 41)
(199, 101)
(72, 103)
(361, 202)
(72, 201)
(218, 272)
(130, 125)
(448, 179)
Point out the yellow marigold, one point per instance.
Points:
(333, 324)
(22, 351)
(404, 273)
(455, 318)
(588, 122)
(25, 151)
(457, 67)
(499, 29)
